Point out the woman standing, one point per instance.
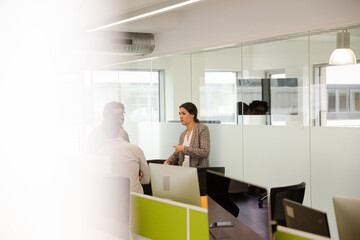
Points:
(194, 145)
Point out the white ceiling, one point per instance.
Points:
(102, 12)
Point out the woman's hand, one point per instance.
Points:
(179, 148)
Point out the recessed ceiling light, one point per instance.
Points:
(144, 15)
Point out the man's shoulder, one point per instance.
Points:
(132, 146)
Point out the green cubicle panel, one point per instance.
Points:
(160, 219)
(199, 227)
(284, 233)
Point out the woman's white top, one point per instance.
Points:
(186, 143)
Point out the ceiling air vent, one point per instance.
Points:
(122, 43)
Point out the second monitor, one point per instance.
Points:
(347, 213)
(175, 183)
(305, 218)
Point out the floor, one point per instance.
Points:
(252, 215)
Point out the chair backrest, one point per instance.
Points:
(159, 161)
(202, 177)
(277, 194)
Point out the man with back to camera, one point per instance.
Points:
(127, 160)
(96, 139)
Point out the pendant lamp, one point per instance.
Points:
(342, 55)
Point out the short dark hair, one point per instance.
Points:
(256, 103)
(110, 107)
(192, 109)
(111, 126)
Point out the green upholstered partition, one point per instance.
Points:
(199, 227)
(284, 233)
(162, 219)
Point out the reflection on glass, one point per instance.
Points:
(341, 90)
(217, 97)
(356, 101)
(278, 97)
(284, 96)
(279, 78)
(331, 101)
(344, 101)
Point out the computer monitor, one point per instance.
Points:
(240, 199)
(305, 218)
(202, 177)
(347, 214)
(175, 183)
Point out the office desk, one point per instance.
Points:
(239, 231)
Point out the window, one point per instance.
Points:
(137, 90)
(342, 93)
(218, 97)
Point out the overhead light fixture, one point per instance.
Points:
(144, 15)
(342, 55)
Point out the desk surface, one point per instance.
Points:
(238, 231)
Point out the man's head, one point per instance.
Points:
(114, 108)
(111, 126)
(258, 107)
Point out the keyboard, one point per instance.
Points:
(219, 233)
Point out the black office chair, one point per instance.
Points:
(217, 187)
(202, 177)
(261, 199)
(277, 194)
(147, 187)
(159, 161)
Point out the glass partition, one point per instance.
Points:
(223, 82)
(335, 88)
(177, 85)
(267, 103)
(134, 84)
(275, 81)
(215, 75)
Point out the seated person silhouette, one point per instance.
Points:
(257, 107)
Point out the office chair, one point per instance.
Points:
(147, 187)
(277, 194)
(159, 161)
(202, 177)
(261, 199)
(217, 187)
